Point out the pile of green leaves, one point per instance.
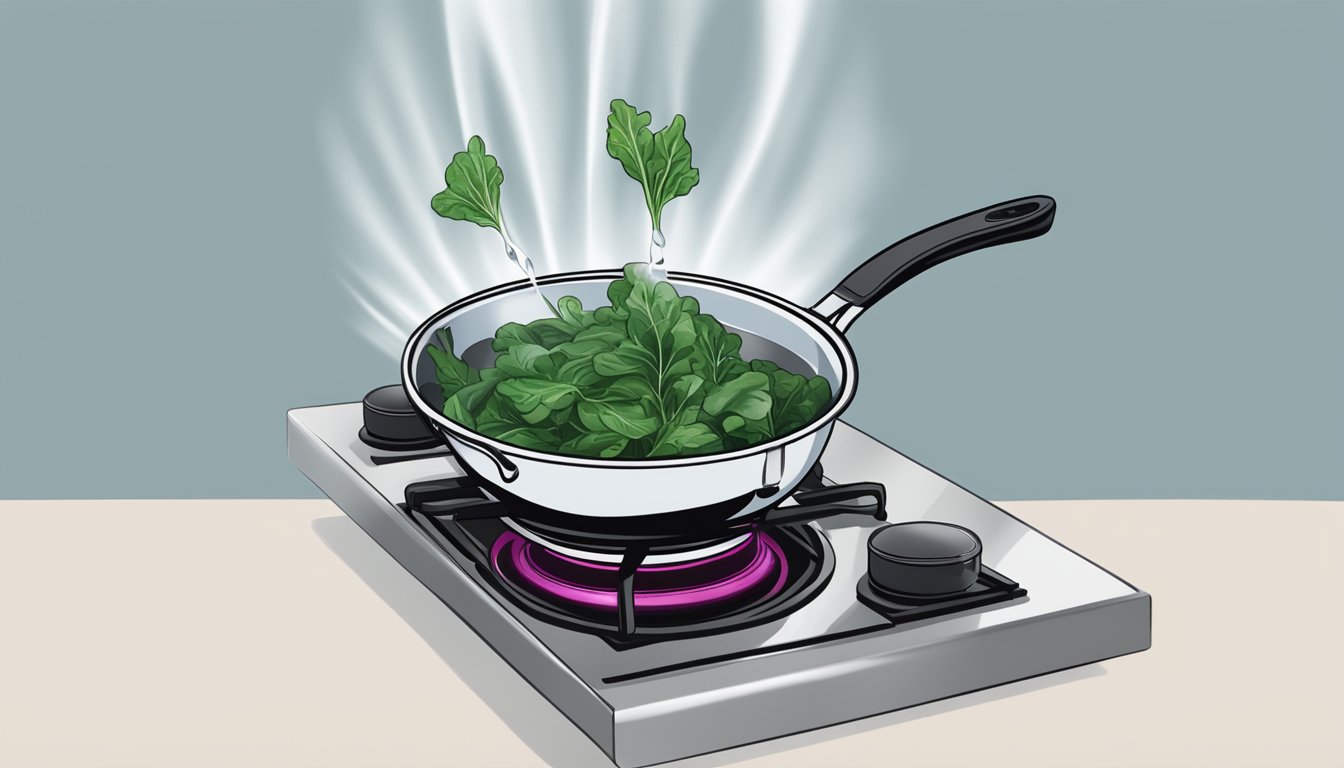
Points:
(649, 376)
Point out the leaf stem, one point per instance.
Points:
(521, 260)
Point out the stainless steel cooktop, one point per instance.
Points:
(831, 660)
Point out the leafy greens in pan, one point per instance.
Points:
(649, 376)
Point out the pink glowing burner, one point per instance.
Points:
(757, 564)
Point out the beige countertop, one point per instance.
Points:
(275, 633)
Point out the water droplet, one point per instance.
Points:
(523, 262)
(656, 243)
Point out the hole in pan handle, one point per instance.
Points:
(1006, 222)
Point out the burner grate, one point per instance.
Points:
(806, 565)
(781, 564)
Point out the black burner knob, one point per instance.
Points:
(391, 423)
(923, 558)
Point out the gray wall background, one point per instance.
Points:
(170, 248)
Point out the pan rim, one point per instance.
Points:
(839, 344)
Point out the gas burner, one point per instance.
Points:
(745, 575)
(766, 577)
(755, 565)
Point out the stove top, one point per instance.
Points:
(776, 630)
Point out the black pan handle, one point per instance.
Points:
(1008, 222)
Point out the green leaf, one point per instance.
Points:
(605, 445)
(660, 162)
(664, 334)
(717, 352)
(534, 438)
(626, 419)
(560, 418)
(455, 410)
(502, 423)
(692, 438)
(748, 396)
(682, 407)
(529, 394)
(630, 141)
(618, 293)
(536, 415)
(548, 332)
(673, 175)
(683, 392)
(580, 373)
(628, 358)
(657, 321)
(469, 401)
(511, 335)
(795, 400)
(571, 312)
(581, 349)
(633, 389)
(551, 332)
(526, 360)
(449, 369)
(589, 417)
(741, 433)
(473, 180)
(608, 335)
